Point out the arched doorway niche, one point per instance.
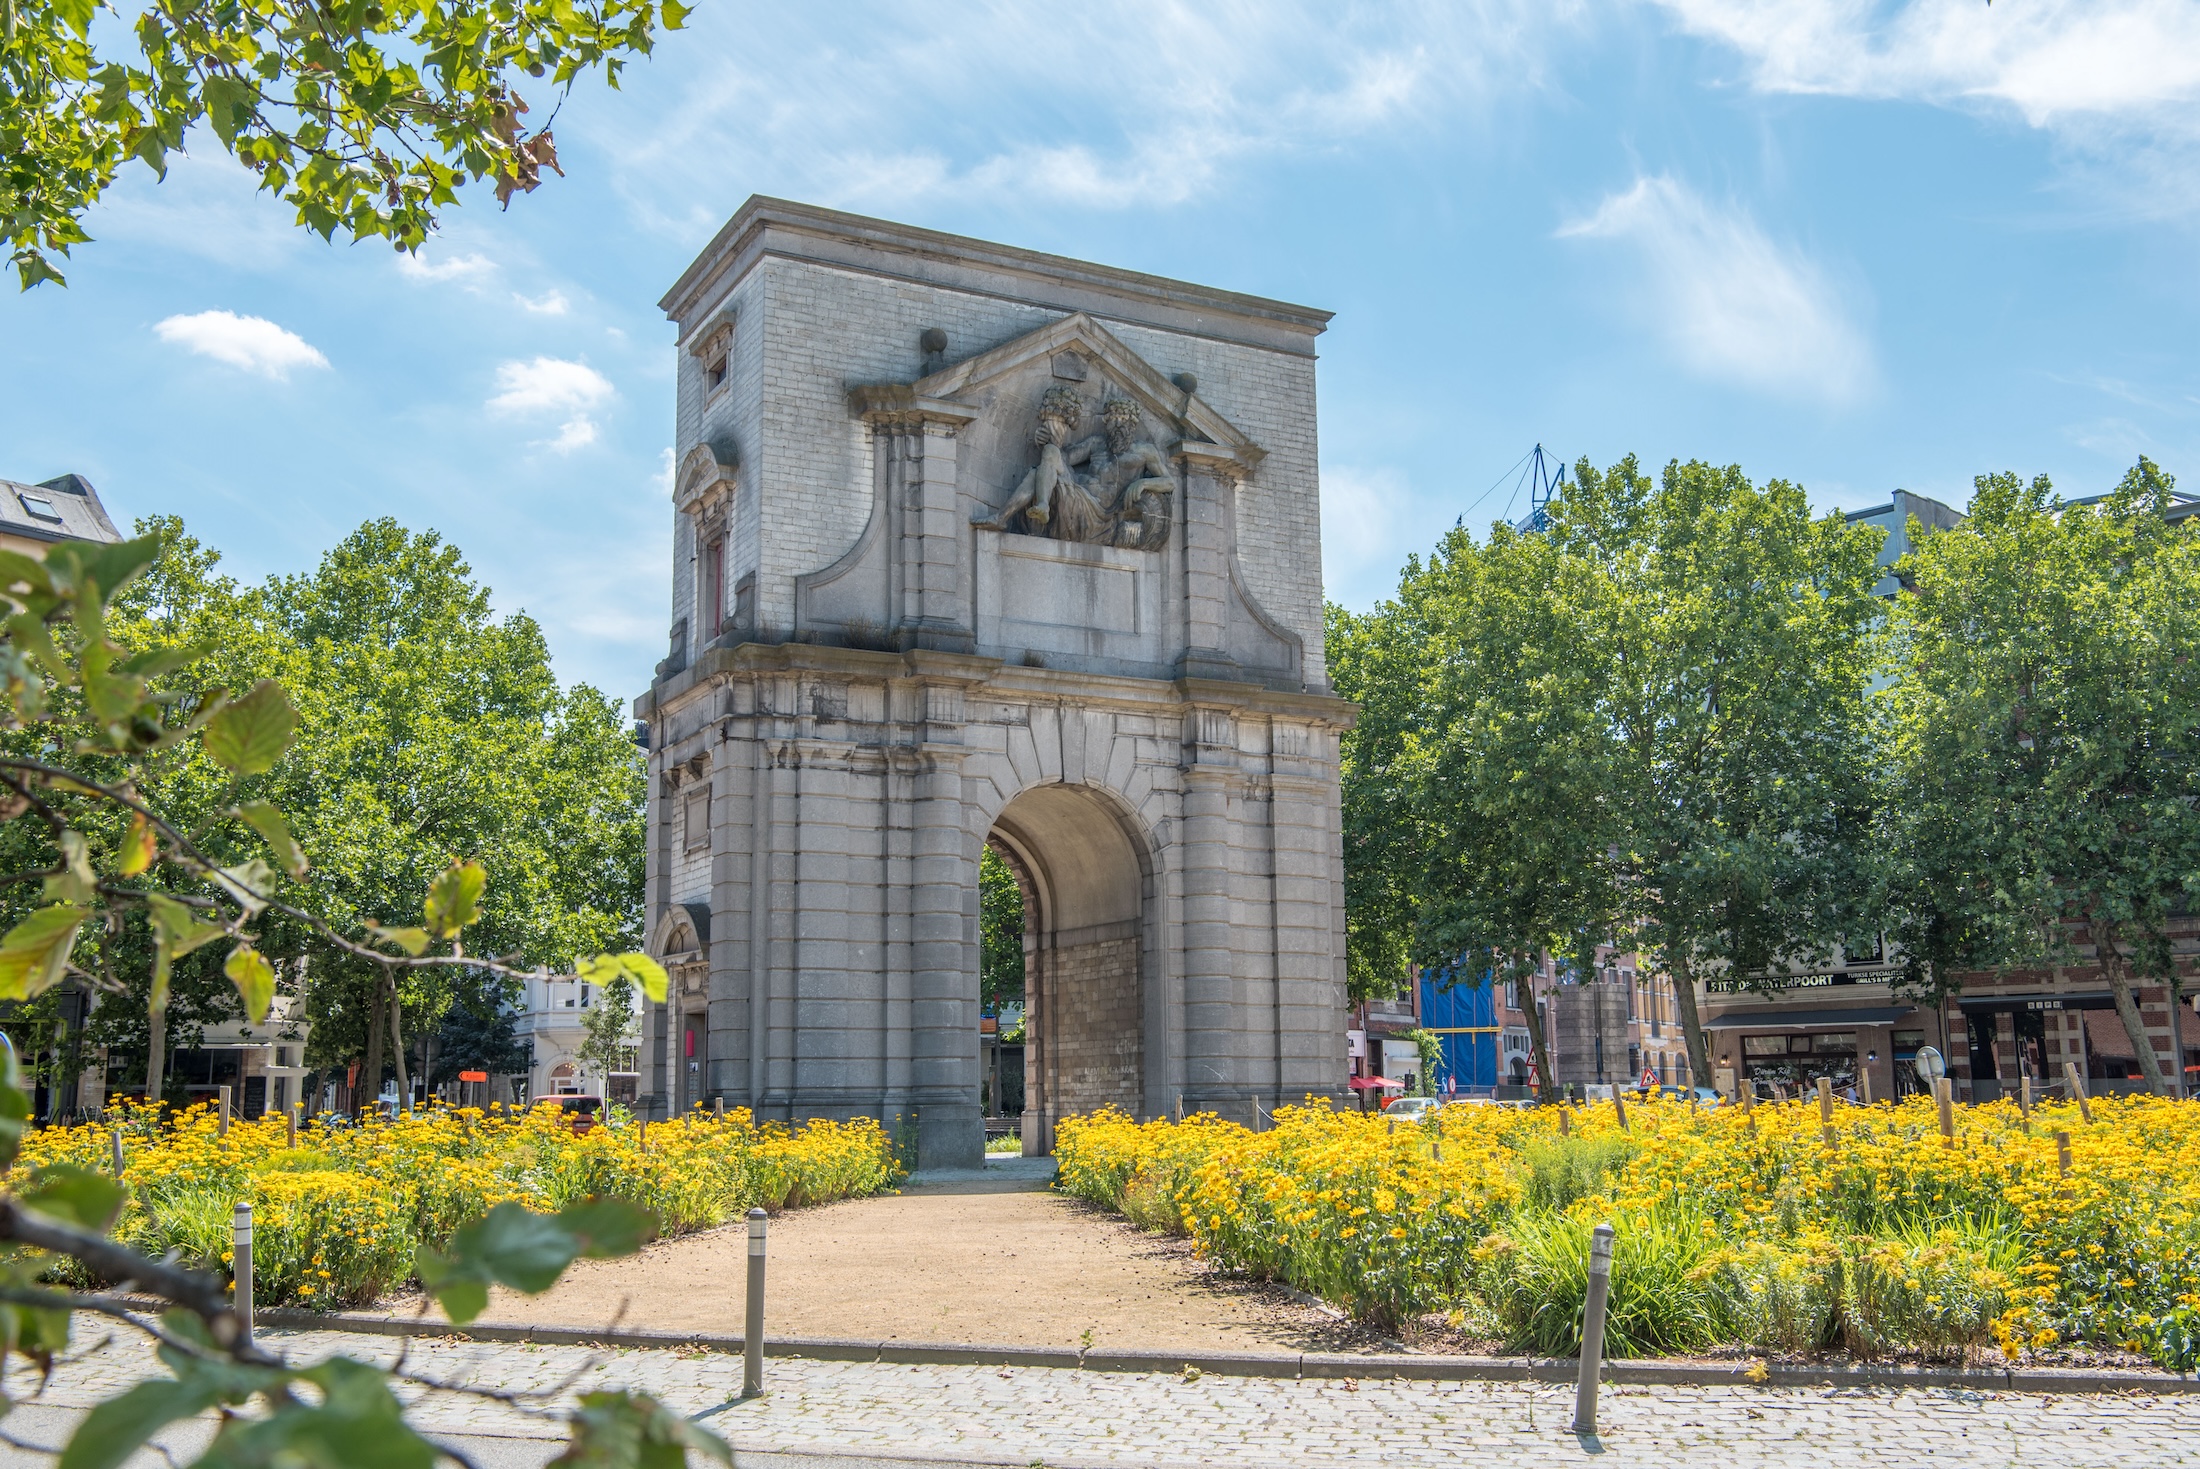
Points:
(1092, 1031)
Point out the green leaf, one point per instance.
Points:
(74, 1196)
(413, 941)
(514, 1246)
(249, 735)
(628, 1430)
(248, 882)
(271, 824)
(454, 899)
(76, 882)
(602, 969)
(176, 932)
(85, 567)
(137, 848)
(675, 14)
(21, 575)
(608, 1228)
(119, 1427)
(254, 978)
(229, 103)
(35, 953)
(357, 1424)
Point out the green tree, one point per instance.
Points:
(89, 722)
(428, 730)
(1374, 661)
(478, 1034)
(2048, 736)
(1000, 933)
(608, 1030)
(365, 116)
(1645, 724)
(1739, 638)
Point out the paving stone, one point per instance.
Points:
(1065, 1418)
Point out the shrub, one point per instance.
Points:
(1536, 1277)
(1778, 1298)
(1936, 1292)
(339, 1220)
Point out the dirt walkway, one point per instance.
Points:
(990, 1260)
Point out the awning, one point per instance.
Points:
(1808, 1019)
(1371, 1083)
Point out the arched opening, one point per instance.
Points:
(1087, 888)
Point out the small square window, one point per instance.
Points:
(39, 506)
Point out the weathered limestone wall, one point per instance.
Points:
(912, 665)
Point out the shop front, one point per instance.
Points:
(1785, 1049)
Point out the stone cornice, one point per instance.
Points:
(900, 403)
(765, 226)
(995, 679)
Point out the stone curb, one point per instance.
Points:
(1423, 1367)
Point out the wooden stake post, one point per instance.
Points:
(221, 1127)
(1945, 1090)
(1825, 1109)
(2077, 1090)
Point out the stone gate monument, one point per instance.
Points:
(976, 545)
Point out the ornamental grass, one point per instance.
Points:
(1733, 1228)
(338, 1219)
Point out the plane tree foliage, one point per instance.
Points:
(2047, 737)
(1645, 723)
(426, 729)
(366, 117)
(93, 726)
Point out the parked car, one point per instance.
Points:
(1409, 1109)
(1704, 1096)
(581, 1113)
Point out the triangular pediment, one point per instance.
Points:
(1078, 333)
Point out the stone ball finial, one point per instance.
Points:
(933, 341)
(1186, 381)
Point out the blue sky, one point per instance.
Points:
(1854, 245)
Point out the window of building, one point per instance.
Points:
(1764, 1045)
(714, 585)
(39, 506)
(715, 352)
(696, 820)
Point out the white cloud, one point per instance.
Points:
(1135, 105)
(549, 303)
(251, 342)
(662, 479)
(1732, 303)
(1361, 510)
(2117, 79)
(552, 385)
(461, 268)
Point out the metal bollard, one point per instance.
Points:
(752, 1331)
(242, 1244)
(1592, 1330)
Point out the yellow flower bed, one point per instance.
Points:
(337, 1220)
(1732, 1227)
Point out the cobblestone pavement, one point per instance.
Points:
(842, 1412)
